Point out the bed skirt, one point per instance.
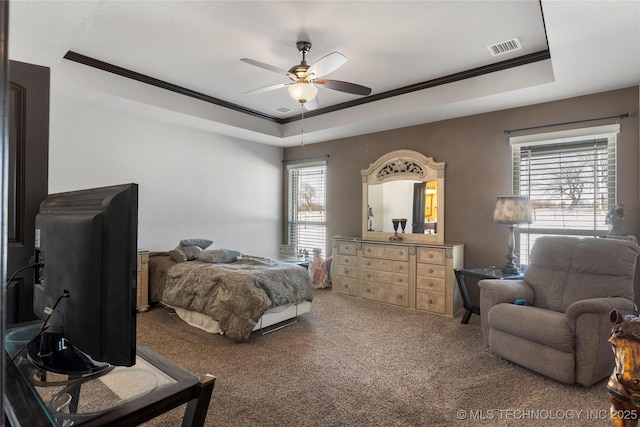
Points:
(271, 317)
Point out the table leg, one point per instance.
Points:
(466, 300)
(196, 411)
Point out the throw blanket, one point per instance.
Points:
(236, 294)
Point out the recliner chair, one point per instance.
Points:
(570, 287)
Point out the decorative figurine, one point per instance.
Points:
(318, 271)
(615, 220)
(623, 386)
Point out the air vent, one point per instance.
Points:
(284, 109)
(504, 47)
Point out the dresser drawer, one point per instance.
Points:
(376, 276)
(344, 285)
(349, 260)
(432, 270)
(390, 252)
(370, 264)
(430, 301)
(385, 293)
(431, 255)
(385, 265)
(347, 248)
(344, 270)
(430, 284)
(385, 277)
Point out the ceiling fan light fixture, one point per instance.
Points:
(302, 91)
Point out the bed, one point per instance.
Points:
(232, 296)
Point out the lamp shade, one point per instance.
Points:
(512, 210)
(302, 92)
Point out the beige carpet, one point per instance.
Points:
(351, 362)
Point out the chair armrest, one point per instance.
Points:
(589, 320)
(597, 306)
(500, 290)
(496, 291)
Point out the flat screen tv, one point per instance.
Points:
(85, 287)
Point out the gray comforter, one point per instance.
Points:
(236, 294)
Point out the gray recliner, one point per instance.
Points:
(570, 286)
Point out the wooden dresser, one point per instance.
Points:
(143, 281)
(413, 275)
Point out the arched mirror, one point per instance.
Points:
(403, 198)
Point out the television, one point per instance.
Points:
(86, 280)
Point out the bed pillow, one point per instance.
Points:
(201, 243)
(187, 253)
(219, 256)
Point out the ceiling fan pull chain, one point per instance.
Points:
(302, 125)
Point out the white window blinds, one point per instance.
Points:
(570, 178)
(307, 206)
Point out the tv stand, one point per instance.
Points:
(54, 353)
(32, 394)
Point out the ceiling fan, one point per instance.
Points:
(304, 78)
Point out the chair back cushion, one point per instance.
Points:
(563, 270)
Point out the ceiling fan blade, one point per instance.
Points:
(326, 64)
(344, 86)
(266, 88)
(268, 67)
(311, 105)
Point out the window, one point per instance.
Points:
(307, 207)
(570, 178)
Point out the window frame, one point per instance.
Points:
(293, 204)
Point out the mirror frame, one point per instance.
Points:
(403, 165)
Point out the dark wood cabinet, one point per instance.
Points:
(27, 180)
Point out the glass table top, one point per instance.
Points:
(490, 273)
(68, 401)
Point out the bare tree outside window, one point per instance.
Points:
(571, 182)
(307, 196)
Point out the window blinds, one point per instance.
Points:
(307, 206)
(571, 184)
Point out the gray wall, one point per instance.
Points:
(478, 166)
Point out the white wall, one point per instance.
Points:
(192, 183)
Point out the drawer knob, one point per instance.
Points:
(346, 271)
(431, 270)
(400, 280)
(430, 284)
(430, 255)
(430, 301)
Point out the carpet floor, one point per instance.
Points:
(351, 362)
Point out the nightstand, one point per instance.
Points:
(478, 273)
(143, 281)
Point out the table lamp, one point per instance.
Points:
(512, 210)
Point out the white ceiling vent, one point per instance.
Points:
(505, 47)
(284, 109)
